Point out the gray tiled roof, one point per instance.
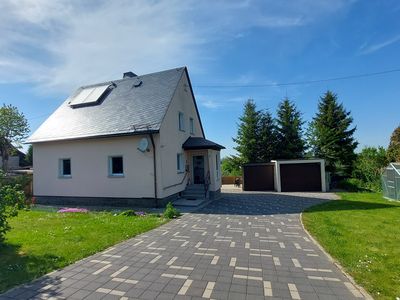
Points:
(126, 110)
(193, 143)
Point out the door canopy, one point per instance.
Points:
(196, 143)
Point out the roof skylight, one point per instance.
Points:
(89, 95)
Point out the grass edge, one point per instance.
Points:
(34, 280)
(361, 289)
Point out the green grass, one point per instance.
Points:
(361, 231)
(40, 241)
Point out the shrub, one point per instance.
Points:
(368, 167)
(128, 213)
(351, 185)
(24, 182)
(12, 199)
(171, 212)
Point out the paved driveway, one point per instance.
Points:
(245, 246)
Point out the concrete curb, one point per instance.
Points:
(335, 262)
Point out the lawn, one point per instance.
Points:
(41, 241)
(361, 231)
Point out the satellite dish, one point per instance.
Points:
(143, 145)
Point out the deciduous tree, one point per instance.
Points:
(369, 165)
(13, 129)
(394, 146)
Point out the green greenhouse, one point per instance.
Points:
(391, 181)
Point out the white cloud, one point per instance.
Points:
(210, 104)
(61, 44)
(216, 102)
(368, 49)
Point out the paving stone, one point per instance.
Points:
(260, 230)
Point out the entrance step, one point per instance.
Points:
(194, 192)
(195, 187)
(190, 203)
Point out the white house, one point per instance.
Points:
(133, 141)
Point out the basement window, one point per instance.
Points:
(115, 166)
(64, 167)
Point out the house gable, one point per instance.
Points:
(171, 137)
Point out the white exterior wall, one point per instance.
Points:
(171, 140)
(215, 176)
(89, 168)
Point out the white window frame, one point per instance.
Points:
(180, 163)
(217, 165)
(110, 166)
(181, 121)
(61, 168)
(191, 124)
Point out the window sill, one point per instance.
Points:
(180, 172)
(64, 176)
(116, 176)
(182, 130)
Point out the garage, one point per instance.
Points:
(258, 177)
(300, 177)
(305, 175)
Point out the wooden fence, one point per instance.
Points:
(230, 179)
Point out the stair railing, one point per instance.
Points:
(179, 183)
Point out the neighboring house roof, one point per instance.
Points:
(193, 143)
(134, 105)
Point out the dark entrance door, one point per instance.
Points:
(198, 169)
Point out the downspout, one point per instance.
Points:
(154, 169)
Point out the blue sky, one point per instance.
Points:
(48, 48)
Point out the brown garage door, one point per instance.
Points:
(258, 177)
(304, 177)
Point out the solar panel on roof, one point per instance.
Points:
(89, 95)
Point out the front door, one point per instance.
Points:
(198, 169)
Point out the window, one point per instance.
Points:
(90, 95)
(181, 122)
(191, 126)
(115, 166)
(179, 163)
(217, 165)
(65, 167)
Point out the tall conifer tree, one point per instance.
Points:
(247, 135)
(331, 135)
(266, 136)
(290, 144)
